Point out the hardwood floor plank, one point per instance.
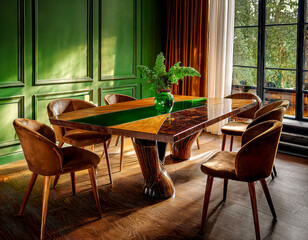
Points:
(128, 214)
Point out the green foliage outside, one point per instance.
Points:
(280, 42)
(160, 78)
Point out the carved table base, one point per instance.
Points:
(182, 149)
(151, 154)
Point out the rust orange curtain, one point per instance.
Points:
(187, 42)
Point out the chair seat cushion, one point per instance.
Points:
(82, 138)
(234, 128)
(221, 165)
(76, 159)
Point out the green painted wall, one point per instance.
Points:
(81, 49)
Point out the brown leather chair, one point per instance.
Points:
(274, 114)
(45, 158)
(237, 128)
(76, 137)
(253, 162)
(249, 114)
(271, 106)
(117, 98)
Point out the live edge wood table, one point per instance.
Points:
(151, 132)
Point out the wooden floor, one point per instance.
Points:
(128, 214)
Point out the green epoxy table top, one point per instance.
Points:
(139, 118)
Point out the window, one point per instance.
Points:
(270, 52)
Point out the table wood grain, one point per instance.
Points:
(150, 135)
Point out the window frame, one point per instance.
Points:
(300, 56)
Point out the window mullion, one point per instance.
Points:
(261, 49)
(299, 110)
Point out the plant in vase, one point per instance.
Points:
(161, 81)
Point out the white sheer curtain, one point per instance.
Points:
(221, 32)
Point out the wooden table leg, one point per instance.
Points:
(182, 149)
(158, 183)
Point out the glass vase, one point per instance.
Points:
(164, 101)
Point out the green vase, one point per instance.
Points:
(164, 101)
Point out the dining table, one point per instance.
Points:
(151, 131)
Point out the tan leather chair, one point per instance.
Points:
(274, 114)
(253, 162)
(45, 158)
(236, 128)
(76, 137)
(117, 98)
(232, 126)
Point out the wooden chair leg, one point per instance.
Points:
(198, 144)
(107, 161)
(272, 175)
(28, 192)
(223, 142)
(108, 143)
(55, 181)
(208, 188)
(95, 191)
(268, 197)
(92, 148)
(73, 179)
(252, 192)
(231, 143)
(225, 189)
(274, 169)
(117, 141)
(46, 189)
(121, 153)
(60, 144)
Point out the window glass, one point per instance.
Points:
(244, 77)
(281, 46)
(272, 95)
(281, 11)
(245, 46)
(280, 79)
(306, 47)
(246, 12)
(306, 105)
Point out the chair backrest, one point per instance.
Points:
(251, 112)
(254, 161)
(63, 105)
(117, 98)
(275, 114)
(271, 106)
(38, 144)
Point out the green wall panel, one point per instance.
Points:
(61, 32)
(41, 101)
(10, 109)
(126, 90)
(118, 36)
(9, 48)
(83, 49)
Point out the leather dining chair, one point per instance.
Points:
(45, 158)
(253, 162)
(76, 137)
(237, 128)
(118, 98)
(231, 127)
(274, 114)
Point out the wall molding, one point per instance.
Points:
(20, 48)
(20, 100)
(108, 90)
(56, 95)
(90, 46)
(118, 77)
